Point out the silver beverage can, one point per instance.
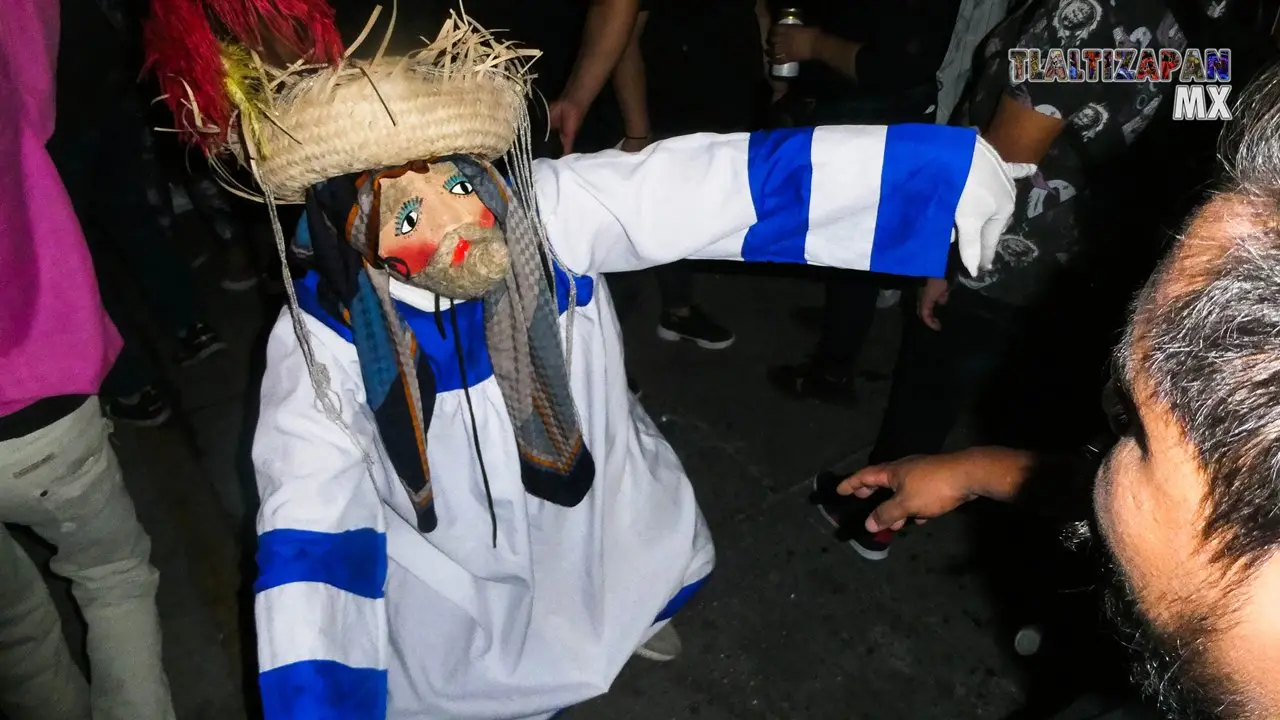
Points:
(788, 16)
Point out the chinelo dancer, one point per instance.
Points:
(465, 514)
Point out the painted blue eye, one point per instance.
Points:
(458, 185)
(407, 216)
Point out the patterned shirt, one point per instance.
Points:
(1102, 120)
(974, 21)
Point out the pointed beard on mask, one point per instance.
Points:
(467, 264)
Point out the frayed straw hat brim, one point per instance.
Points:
(463, 93)
(382, 115)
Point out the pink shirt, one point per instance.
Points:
(55, 337)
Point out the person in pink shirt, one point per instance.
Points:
(58, 472)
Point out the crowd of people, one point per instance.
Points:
(447, 427)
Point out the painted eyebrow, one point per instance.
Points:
(392, 197)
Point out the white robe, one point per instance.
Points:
(360, 616)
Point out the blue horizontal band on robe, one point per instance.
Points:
(354, 562)
(436, 338)
(681, 599)
(917, 180)
(319, 571)
(858, 197)
(323, 690)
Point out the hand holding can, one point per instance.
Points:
(783, 66)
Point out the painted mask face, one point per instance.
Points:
(436, 234)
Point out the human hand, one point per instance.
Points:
(935, 292)
(565, 117)
(924, 486)
(794, 43)
(986, 206)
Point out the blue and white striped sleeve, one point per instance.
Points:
(860, 197)
(322, 555)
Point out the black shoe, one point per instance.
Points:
(808, 318)
(810, 381)
(197, 343)
(848, 514)
(146, 409)
(695, 327)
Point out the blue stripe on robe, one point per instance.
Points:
(681, 599)
(780, 173)
(440, 349)
(354, 561)
(923, 173)
(925, 170)
(323, 690)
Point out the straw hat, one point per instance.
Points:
(463, 93)
(382, 115)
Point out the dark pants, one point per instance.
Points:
(1030, 377)
(851, 295)
(176, 160)
(675, 287)
(212, 203)
(133, 370)
(848, 309)
(939, 373)
(109, 169)
(675, 282)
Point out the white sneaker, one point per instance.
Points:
(664, 646)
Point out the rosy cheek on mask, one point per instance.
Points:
(486, 219)
(416, 255)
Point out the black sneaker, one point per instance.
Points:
(809, 380)
(848, 514)
(240, 281)
(695, 327)
(808, 318)
(197, 343)
(146, 409)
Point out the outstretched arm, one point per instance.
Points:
(876, 198)
(322, 556)
(929, 486)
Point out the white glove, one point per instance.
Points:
(986, 206)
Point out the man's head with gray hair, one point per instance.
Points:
(1189, 501)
